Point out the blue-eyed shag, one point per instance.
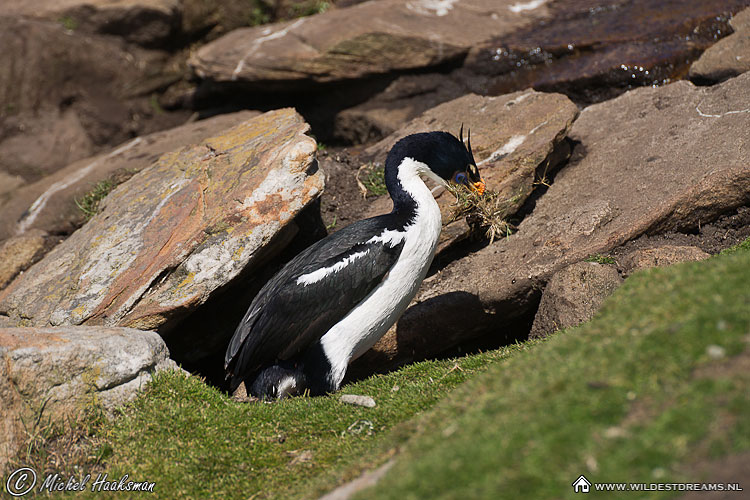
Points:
(333, 301)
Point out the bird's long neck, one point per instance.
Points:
(408, 191)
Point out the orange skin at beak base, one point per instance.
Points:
(479, 187)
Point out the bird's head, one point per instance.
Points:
(446, 157)
(278, 382)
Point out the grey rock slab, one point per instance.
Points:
(50, 203)
(573, 295)
(729, 57)
(174, 233)
(375, 37)
(52, 375)
(649, 161)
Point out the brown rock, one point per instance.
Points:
(366, 39)
(384, 113)
(64, 96)
(511, 136)
(49, 203)
(18, 254)
(651, 160)
(665, 255)
(51, 375)
(177, 231)
(573, 295)
(146, 22)
(729, 57)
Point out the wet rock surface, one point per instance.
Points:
(573, 295)
(176, 232)
(669, 169)
(593, 51)
(729, 57)
(50, 203)
(53, 375)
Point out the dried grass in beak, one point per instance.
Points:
(485, 211)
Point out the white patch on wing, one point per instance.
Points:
(371, 318)
(388, 237)
(319, 274)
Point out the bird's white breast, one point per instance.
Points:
(372, 317)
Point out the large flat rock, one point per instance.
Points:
(52, 375)
(729, 57)
(375, 37)
(651, 160)
(49, 203)
(174, 233)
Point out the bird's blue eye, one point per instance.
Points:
(460, 178)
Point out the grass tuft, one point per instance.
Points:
(373, 181)
(89, 203)
(600, 259)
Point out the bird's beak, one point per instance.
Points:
(478, 187)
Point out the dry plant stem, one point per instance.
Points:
(486, 213)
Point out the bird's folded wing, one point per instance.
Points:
(309, 295)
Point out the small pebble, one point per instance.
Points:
(715, 351)
(354, 399)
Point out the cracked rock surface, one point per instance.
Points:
(175, 232)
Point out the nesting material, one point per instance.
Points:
(486, 214)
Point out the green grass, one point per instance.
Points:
(373, 180)
(195, 442)
(636, 395)
(89, 203)
(600, 259)
(632, 396)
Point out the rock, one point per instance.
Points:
(49, 203)
(665, 255)
(145, 22)
(511, 136)
(53, 375)
(368, 479)
(177, 231)
(573, 295)
(729, 57)
(18, 254)
(357, 400)
(367, 39)
(64, 96)
(592, 53)
(649, 161)
(8, 184)
(384, 113)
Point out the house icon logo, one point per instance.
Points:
(581, 485)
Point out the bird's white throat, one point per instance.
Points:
(367, 322)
